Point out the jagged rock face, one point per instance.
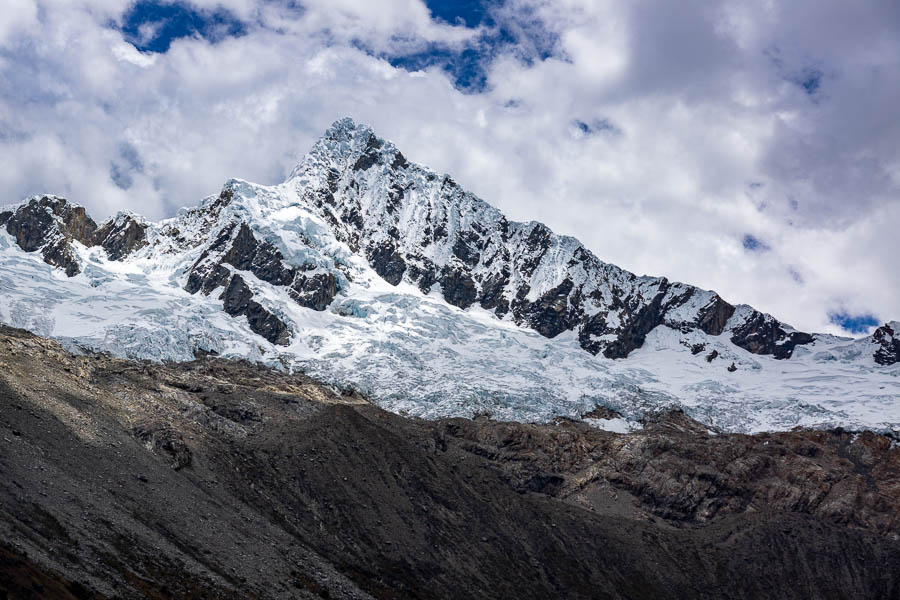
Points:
(121, 236)
(49, 224)
(237, 248)
(888, 339)
(762, 334)
(238, 300)
(714, 317)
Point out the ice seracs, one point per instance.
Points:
(374, 272)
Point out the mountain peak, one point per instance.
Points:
(347, 145)
(346, 128)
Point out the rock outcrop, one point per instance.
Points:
(50, 224)
(888, 339)
(122, 235)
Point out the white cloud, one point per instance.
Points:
(15, 16)
(704, 100)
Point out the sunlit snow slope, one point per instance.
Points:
(372, 272)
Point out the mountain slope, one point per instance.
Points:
(223, 479)
(368, 270)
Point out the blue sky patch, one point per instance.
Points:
(853, 323)
(470, 13)
(526, 38)
(810, 80)
(152, 26)
(752, 243)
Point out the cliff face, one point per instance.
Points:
(223, 479)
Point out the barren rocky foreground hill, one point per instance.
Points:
(223, 479)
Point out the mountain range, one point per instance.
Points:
(376, 274)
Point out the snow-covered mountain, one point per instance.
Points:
(373, 272)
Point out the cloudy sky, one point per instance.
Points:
(748, 147)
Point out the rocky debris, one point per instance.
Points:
(50, 224)
(158, 437)
(679, 470)
(888, 339)
(121, 236)
(601, 412)
(296, 490)
(732, 368)
(712, 356)
(22, 577)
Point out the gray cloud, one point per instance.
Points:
(773, 119)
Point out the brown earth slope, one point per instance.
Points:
(221, 479)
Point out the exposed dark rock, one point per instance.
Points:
(492, 290)
(59, 253)
(458, 287)
(207, 278)
(697, 348)
(593, 326)
(888, 340)
(400, 161)
(387, 262)
(761, 334)
(395, 198)
(538, 242)
(313, 291)
(466, 248)
(732, 368)
(712, 356)
(50, 224)
(238, 300)
(264, 260)
(422, 272)
(4, 216)
(260, 258)
(636, 327)
(713, 317)
(551, 314)
(370, 156)
(121, 237)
